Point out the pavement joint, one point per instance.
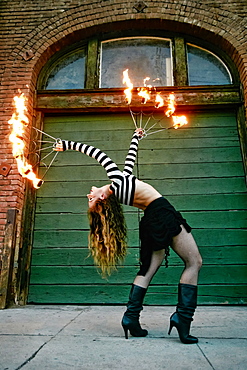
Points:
(47, 342)
(207, 359)
(64, 338)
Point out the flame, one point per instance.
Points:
(18, 121)
(171, 105)
(144, 94)
(179, 121)
(159, 101)
(144, 82)
(128, 91)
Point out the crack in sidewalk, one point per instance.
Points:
(48, 341)
(206, 358)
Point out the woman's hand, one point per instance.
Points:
(140, 132)
(58, 146)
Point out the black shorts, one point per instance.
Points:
(160, 223)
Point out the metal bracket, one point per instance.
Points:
(11, 216)
(140, 6)
(4, 169)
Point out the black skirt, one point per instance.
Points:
(160, 223)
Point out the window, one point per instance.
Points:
(143, 57)
(163, 60)
(205, 68)
(68, 72)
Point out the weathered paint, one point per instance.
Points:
(198, 168)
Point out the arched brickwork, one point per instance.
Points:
(217, 24)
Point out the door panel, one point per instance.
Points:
(198, 168)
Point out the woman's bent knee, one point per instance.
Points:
(196, 263)
(199, 262)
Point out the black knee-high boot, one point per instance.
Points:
(182, 318)
(130, 320)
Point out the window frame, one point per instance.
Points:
(54, 61)
(214, 55)
(179, 68)
(169, 40)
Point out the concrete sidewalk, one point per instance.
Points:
(91, 338)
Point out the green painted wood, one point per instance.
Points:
(200, 119)
(182, 203)
(73, 221)
(180, 62)
(73, 238)
(118, 294)
(167, 187)
(198, 168)
(184, 138)
(92, 70)
(78, 238)
(207, 294)
(199, 219)
(192, 170)
(68, 256)
(160, 155)
(210, 274)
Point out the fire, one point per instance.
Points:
(179, 121)
(18, 122)
(145, 80)
(159, 101)
(128, 91)
(144, 94)
(171, 105)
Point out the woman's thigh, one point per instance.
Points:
(156, 260)
(185, 247)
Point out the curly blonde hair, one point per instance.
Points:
(108, 234)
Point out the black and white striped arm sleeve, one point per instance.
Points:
(111, 168)
(131, 156)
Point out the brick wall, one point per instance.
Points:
(31, 31)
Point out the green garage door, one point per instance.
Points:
(198, 168)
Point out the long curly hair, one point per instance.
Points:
(108, 234)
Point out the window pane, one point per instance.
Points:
(143, 57)
(68, 73)
(205, 68)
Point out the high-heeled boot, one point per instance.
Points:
(182, 318)
(130, 320)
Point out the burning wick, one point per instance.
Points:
(18, 121)
(144, 82)
(171, 106)
(128, 91)
(159, 101)
(179, 121)
(144, 94)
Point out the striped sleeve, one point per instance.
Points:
(111, 168)
(123, 183)
(131, 156)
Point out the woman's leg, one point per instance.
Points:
(130, 320)
(156, 261)
(185, 247)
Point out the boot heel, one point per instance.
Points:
(125, 332)
(170, 328)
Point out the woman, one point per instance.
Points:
(161, 226)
